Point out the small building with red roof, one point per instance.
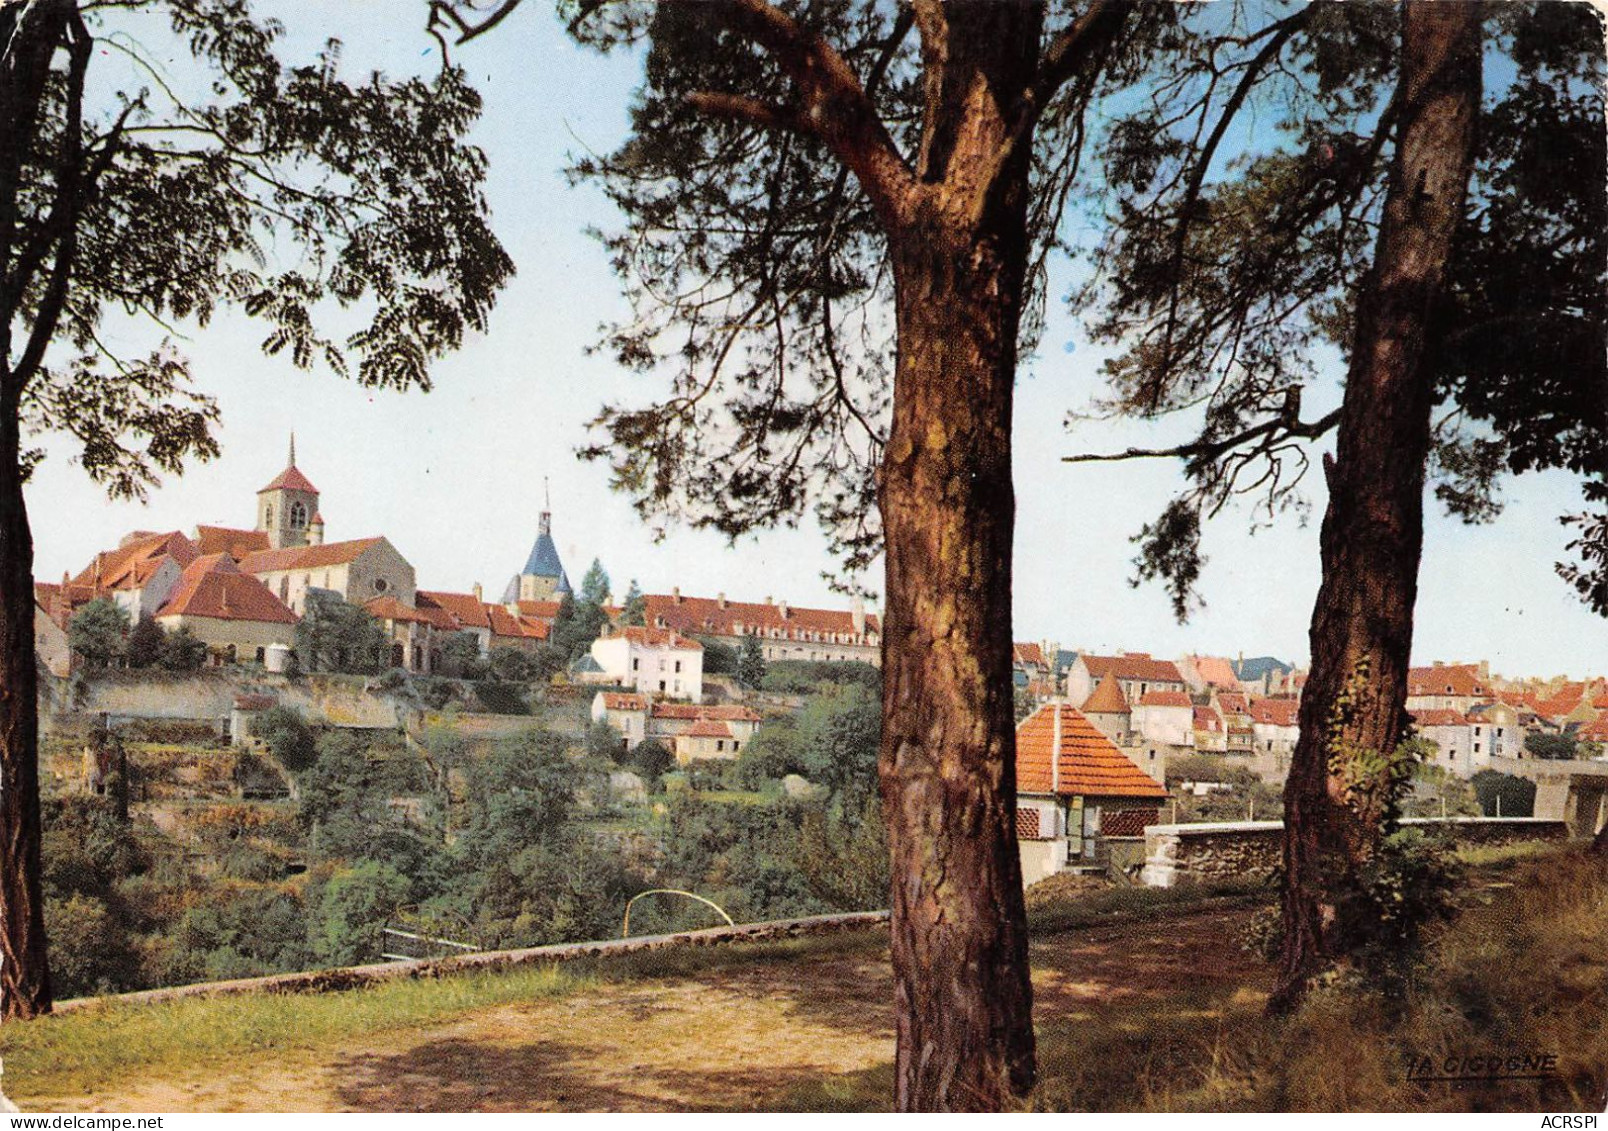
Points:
(1073, 787)
(233, 613)
(707, 739)
(1275, 726)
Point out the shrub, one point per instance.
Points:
(183, 652)
(288, 737)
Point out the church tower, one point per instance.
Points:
(543, 578)
(288, 507)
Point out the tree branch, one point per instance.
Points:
(833, 105)
(444, 13)
(69, 195)
(740, 107)
(1272, 432)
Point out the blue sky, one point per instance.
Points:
(454, 478)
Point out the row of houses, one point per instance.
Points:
(242, 592)
(1154, 709)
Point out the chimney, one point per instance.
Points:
(720, 599)
(857, 614)
(475, 589)
(1438, 664)
(781, 607)
(1055, 750)
(675, 594)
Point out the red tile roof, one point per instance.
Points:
(309, 557)
(1134, 666)
(624, 701)
(1028, 654)
(214, 587)
(291, 479)
(505, 624)
(226, 540)
(1232, 701)
(1106, 699)
(725, 618)
(1274, 712)
(131, 564)
(254, 702)
(467, 609)
(731, 712)
(1164, 699)
(1594, 731)
(1563, 701)
(538, 610)
(1088, 764)
(1207, 719)
(1215, 670)
(389, 608)
(1462, 680)
(708, 728)
(659, 638)
(1439, 718)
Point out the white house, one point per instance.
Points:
(625, 711)
(655, 661)
(1165, 718)
(1453, 736)
(1136, 673)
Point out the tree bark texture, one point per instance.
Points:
(30, 35)
(1353, 709)
(963, 996)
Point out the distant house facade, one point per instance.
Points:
(233, 613)
(1447, 687)
(358, 571)
(1275, 726)
(784, 631)
(653, 661)
(1137, 674)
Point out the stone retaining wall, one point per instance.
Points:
(353, 977)
(1179, 853)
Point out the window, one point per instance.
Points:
(268, 514)
(636, 664)
(720, 745)
(262, 654)
(298, 515)
(678, 665)
(661, 685)
(380, 585)
(284, 588)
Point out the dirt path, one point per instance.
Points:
(741, 1037)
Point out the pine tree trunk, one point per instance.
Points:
(25, 974)
(963, 999)
(31, 35)
(1372, 536)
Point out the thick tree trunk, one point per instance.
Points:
(963, 998)
(1354, 706)
(25, 973)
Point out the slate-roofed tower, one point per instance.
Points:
(543, 578)
(288, 507)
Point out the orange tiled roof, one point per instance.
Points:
(1595, 731)
(624, 701)
(1088, 764)
(309, 557)
(131, 564)
(659, 638)
(1207, 719)
(708, 728)
(1028, 654)
(389, 608)
(226, 540)
(725, 618)
(1233, 702)
(1462, 680)
(1134, 666)
(538, 610)
(1439, 718)
(214, 587)
(466, 608)
(291, 479)
(504, 623)
(1164, 699)
(1106, 699)
(1274, 712)
(1215, 670)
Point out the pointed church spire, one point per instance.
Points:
(292, 462)
(544, 524)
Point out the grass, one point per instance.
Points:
(1523, 969)
(85, 1051)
